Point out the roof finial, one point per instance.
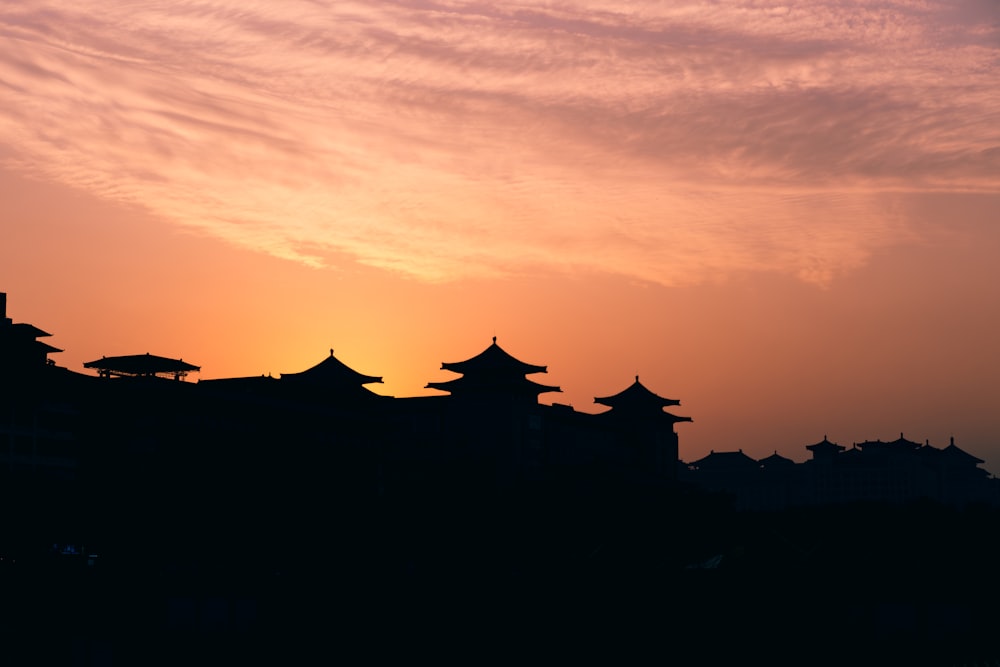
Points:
(331, 351)
(494, 340)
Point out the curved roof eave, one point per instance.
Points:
(493, 358)
(332, 369)
(141, 363)
(636, 394)
(463, 384)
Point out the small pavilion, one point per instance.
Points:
(142, 365)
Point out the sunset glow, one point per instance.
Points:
(786, 216)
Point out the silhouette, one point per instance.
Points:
(148, 519)
(141, 365)
(899, 471)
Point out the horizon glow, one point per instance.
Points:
(783, 215)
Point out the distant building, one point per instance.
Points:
(895, 472)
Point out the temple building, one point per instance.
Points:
(487, 429)
(325, 427)
(37, 412)
(493, 374)
(491, 423)
(492, 427)
(646, 429)
(20, 350)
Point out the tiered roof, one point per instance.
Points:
(19, 341)
(29, 332)
(493, 372)
(637, 400)
(824, 448)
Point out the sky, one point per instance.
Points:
(786, 216)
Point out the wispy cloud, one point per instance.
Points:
(443, 139)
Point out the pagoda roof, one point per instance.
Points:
(332, 372)
(825, 445)
(45, 347)
(900, 444)
(903, 443)
(492, 360)
(492, 371)
(637, 397)
(776, 459)
(959, 455)
(29, 330)
(141, 365)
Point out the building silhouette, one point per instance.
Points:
(487, 430)
(249, 517)
(899, 471)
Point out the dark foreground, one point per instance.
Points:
(665, 578)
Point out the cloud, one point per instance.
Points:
(446, 139)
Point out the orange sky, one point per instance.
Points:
(787, 217)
